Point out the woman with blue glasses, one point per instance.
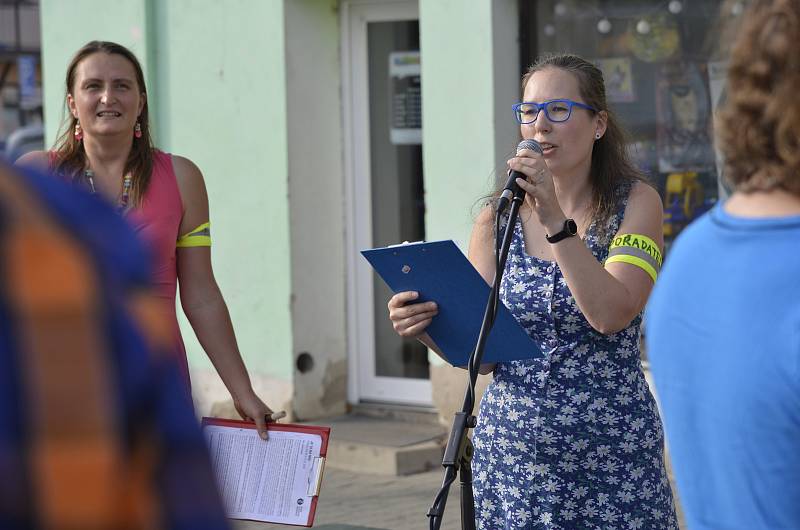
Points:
(572, 439)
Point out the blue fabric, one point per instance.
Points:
(572, 440)
(723, 337)
(121, 258)
(152, 406)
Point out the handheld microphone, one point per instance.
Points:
(511, 188)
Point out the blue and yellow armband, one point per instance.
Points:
(199, 237)
(637, 250)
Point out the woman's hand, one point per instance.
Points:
(410, 320)
(251, 408)
(540, 189)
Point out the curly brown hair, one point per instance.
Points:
(70, 156)
(759, 125)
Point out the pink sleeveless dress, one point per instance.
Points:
(157, 221)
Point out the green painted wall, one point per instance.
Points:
(216, 82)
(66, 26)
(222, 100)
(470, 54)
(458, 148)
(316, 198)
(469, 62)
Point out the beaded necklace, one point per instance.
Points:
(127, 181)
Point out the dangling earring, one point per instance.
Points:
(78, 131)
(137, 130)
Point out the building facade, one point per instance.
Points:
(324, 127)
(20, 77)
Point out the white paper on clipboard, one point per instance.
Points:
(277, 480)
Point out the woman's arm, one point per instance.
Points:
(203, 303)
(611, 296)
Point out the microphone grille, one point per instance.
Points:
(533, 145)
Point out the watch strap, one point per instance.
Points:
(569, 229)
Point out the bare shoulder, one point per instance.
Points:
(193, 191)
(190, 179)
(644, 201)
(483, 228)
(644, 212)
(34, 159)
(485, 219)
(185, 169)
(481, 253)
(644, 195)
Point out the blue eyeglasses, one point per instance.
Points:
(556, 110)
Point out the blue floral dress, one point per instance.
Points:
(572, 440)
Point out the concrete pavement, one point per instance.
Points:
(356, 501)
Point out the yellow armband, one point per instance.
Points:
(199, 237)
(637, 250)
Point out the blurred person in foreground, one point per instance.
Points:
(96, 431)
(723, 323)
(107, 148)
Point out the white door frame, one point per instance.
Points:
(363, 384)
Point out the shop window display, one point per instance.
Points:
(20, 78)
(665, 72)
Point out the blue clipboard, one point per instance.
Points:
(439, 271)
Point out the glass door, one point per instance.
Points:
(386, 206)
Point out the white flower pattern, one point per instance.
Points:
(573, 439)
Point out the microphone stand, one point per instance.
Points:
(457, 458)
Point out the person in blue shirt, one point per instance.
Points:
(95, 429)
(723, 321)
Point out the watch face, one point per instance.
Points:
(570, 229)
(571, 226)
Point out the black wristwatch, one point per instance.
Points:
(570, 229)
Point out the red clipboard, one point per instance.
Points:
(322, 432)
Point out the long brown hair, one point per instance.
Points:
(759, 125)
(611, 168)
(70, 156)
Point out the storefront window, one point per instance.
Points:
(664, 70)
(20, 78)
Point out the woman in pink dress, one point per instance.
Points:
(107, 148)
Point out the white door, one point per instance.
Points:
(385, 192)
